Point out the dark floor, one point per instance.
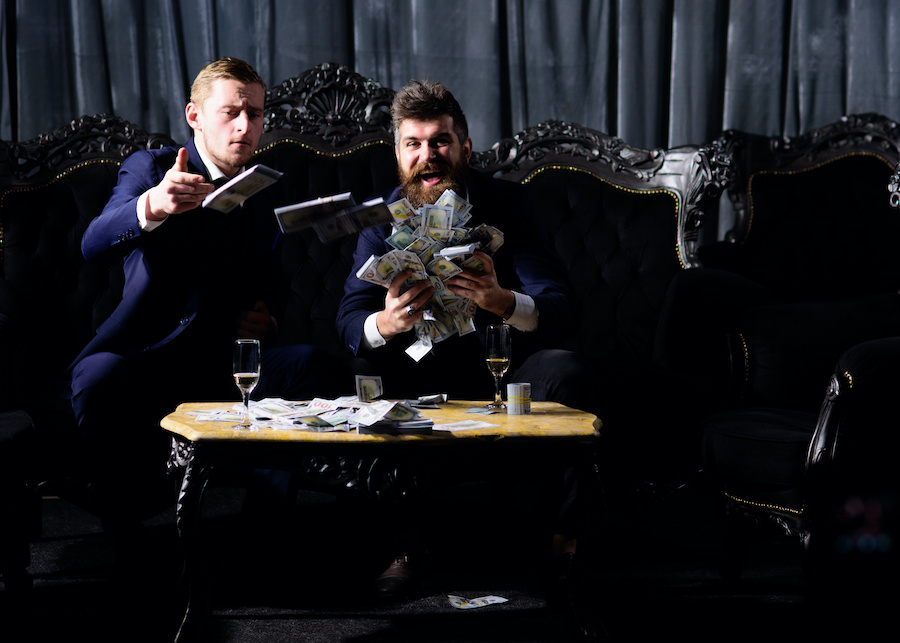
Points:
(656, 579)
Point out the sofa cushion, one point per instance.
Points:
(315, 270)
(759, 454)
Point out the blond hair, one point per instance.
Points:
(227, 68)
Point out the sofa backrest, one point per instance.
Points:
(328, 130)
(814, 217)
(623, 219)
(51, 300)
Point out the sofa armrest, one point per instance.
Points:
(696, 339)
(856, 427)
(790, 349)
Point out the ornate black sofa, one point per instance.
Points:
(624, 219)
(808, 275)
(810, 262)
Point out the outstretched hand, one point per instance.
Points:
(178, 192)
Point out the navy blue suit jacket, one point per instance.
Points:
(199, 263)
(527, 263)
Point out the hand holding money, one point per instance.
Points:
(431, 249)
(481, 286)
(403, 308)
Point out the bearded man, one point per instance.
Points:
(522, 284)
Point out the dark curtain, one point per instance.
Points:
(657, 73)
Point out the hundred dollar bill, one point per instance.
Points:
(473, 263)
(488, 236)
(425, 247)
(463, 322)
(401, 239)
(384, 410)
(443, 235)
(422, 346)
(406, 260)
(438, 216)
(459, 205)
(438, 284)
(368, 387)
(442, 326)
(443, 268)
(401, 210)
(378, 270)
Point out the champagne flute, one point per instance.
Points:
(497, 354)
(245, 367)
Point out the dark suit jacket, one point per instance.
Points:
(526, 263)
(198, 267)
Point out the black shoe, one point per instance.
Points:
(399, 578)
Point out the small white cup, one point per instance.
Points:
(518, 398)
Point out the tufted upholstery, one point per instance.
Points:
(819, 232)
(52, 299)
(620, 250)
(317, 271)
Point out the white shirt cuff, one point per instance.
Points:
(146, 226)
(371, 337)
(525, 316)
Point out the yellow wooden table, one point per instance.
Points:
(552, 431)
(546, 420)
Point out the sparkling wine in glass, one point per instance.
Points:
(246, 374)
(497, 354)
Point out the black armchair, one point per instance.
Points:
(809, 269)
(853, 487)
(808, 272)
(827, 481)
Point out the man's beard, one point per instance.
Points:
(418, 193)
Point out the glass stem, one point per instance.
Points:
(498, 399)
(246, 421)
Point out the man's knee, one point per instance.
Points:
(558, 375)
(94, 380)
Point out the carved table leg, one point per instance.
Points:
(187, 520)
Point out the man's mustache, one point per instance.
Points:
(431, 167)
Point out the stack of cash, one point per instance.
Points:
(435, 244)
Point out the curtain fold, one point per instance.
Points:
(657, 73)
(456, 43)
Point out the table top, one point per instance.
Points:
(546, 420)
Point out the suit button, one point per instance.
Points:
(184, 321)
